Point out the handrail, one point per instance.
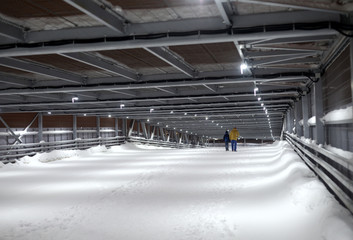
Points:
(335, 171)
(9, 153)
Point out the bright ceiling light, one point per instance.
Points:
(258, 99)
(262, 104)
(206, 118)
(109, 115)
(74, 99)
(85, 114)
(148, 120)
(185, 113)
(255, 90)
(122, 105)
(243, 67)
(171, 112)
(151, 110)
(49, 113)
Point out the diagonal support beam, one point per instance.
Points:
(283, 59)
(102, 13)
(100, 63)
(167, 91)
(34, 68)
(26, 129)
(278, 53)
(173, 59)
(10, 130)
(210, 88)
(131, 127)
(11, 31)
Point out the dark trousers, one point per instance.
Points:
(234, 145)
(226, 145)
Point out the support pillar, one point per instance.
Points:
(305, 109)
(319, 113)
(116, 127)
(98, 123)
(297, 119)
(74, 127)
(351, 58)
(40, 127)
(124, 127)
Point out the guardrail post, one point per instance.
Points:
(319, 113)
(305, 109)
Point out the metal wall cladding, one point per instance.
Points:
(337, 83)
(57, 121)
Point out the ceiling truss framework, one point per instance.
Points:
(185, 65)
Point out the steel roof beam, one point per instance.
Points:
(147, 85)
(278, 53)
(11, 31)
(100, 63)
(101, 12)
(34, 68)
(172, 59)
(175, 26)
(285, 59)
(10, 80)
(292, 40)
(174, 98)
(291, 5)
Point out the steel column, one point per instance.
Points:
(40, 127)
(351, 58)
(74, 127)
(98, 125)
(319, 113)
(116, 127)
(124, 127)
(131, 128)
(305, 109)
(297, 119)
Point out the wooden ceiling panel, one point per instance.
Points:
(148, 4)
(37, 8)
(208, 53)
(135, 58)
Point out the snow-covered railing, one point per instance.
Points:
(334, 170)
(161, 143)
(10, 152)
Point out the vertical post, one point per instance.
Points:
(116, 127)
(297, 119)
(351, 58)
(124, 127)
(305, 109)
(40, 127)
(288, 120)
(74, 127)
(98, 124)
(161, 131)
(131, 128)
(319, 112)
(138, 122)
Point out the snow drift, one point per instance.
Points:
(130, 192)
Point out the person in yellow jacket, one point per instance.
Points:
(233, 136)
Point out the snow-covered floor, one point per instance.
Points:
(132, 192)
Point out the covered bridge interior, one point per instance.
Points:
(77, 73)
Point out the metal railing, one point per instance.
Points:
(9, 153)
(335, 171)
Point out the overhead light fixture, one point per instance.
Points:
(262, 104)
(148, 120)
(264, 108)
(258, 99)
(74, 99)
(195, 115)
(109, 115)
(243, 67)
(85, 114)
(127, 117)
(185, 113)
(171, 112)
(212, 121)
(206, 118)
(167, 126)
(151, 110)
(49, 113)
(255, 89)
(122, 105)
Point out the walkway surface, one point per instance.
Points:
(132, 192)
